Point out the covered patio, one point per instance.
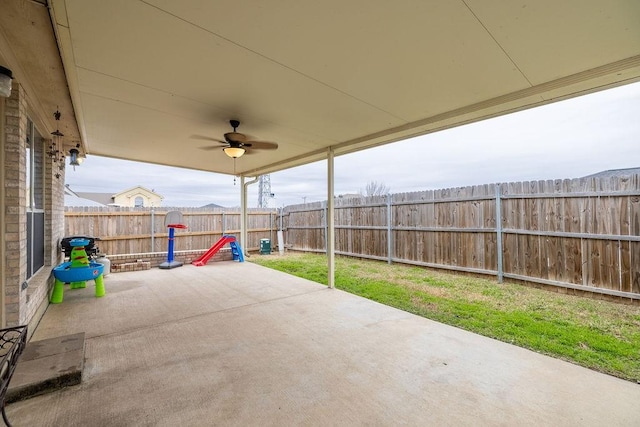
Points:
(240, 344)
(169, 83)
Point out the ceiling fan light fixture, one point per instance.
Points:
(233, 152)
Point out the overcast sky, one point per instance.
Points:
(567, 139)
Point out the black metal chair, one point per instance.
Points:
(12, 344)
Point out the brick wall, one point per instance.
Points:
(145, 261)
(26, 304)
(15, 226)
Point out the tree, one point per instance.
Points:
(375, 188)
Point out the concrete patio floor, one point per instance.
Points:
(239, 344)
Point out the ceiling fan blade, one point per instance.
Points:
(211, 147)
(261, 145)
(207, 138)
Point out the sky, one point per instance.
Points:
(566, 139)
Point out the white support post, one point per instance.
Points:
(331, 231)
(243, 216)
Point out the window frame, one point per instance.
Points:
(35, 198)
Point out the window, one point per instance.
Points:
(35, 200)
(139, 202)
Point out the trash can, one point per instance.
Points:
(265, 246)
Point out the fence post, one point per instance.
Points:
(326, 227)
(271, 228)
(153, 228)
(389, 230)
(499, 232)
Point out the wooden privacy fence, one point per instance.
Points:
(141, 230)
(582, 234)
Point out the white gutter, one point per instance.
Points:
(243, 214)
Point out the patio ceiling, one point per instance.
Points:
(144, 76)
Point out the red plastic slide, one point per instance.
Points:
(204, 258)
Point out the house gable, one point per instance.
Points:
(137, 197)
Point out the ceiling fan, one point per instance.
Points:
(236, 144)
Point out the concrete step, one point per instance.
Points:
(47, 365)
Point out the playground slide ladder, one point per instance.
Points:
(235, 250)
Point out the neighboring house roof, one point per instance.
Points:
(212, 205)
(102, 198)
(75, 201)
(615, 173)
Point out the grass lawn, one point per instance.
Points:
(600, 335)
